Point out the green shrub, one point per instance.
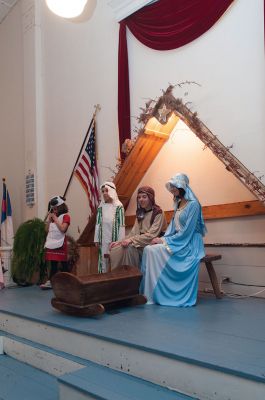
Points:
(28, 252)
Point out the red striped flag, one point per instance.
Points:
(87, 171)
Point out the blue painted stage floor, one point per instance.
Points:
(21, 381)
(227, 334)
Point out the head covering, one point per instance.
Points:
(149, 191)
(55, 202)
(181, 181)
(112, 193)
(140, 212)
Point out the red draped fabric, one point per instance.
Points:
(164, 25)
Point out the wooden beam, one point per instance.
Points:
(220, 211)
(154, 127)
(239, 209)
(137, 163)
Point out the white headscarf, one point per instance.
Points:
(112, 194)
(181, 181)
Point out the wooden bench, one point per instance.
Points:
(207, 260)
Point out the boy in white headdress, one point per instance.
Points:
(110, 222)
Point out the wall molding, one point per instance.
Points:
(123, 8)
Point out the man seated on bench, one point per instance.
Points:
(170, 266)
(150, 222)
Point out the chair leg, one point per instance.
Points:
(213, 279)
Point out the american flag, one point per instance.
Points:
(87, 172)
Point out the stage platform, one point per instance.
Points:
(215, 350)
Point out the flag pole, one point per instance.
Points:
(97, 108)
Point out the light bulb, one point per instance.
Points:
(67, 8)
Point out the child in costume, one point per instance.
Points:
(58, 221)
(150, 222)
(110, 225)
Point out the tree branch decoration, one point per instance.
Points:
(167, 104)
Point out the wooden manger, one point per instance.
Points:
(93, 294)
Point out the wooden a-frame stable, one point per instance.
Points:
(158, 120)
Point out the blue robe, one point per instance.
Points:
(170, 270)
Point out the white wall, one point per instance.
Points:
(11, 111)
(80, 70)
(228, 62)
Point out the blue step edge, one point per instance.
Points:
(107, 384)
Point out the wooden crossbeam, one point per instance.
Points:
(137, 163)
(220, 211)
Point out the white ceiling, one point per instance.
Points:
(5, 7)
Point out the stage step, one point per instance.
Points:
(84, 380)
(211, 352)
(20, 381)
(38, 356)
(98, 382)
(178, 373)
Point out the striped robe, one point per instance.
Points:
(110, 227)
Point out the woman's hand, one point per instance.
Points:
(114, 244)
(126, 242)
(156, 240)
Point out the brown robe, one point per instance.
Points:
(141, 234)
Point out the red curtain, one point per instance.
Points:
(164, 25)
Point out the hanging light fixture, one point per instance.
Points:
(67, 8)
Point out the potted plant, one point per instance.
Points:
(28, 252)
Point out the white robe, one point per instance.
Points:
(108, 215)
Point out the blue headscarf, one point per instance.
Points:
(181, 181)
